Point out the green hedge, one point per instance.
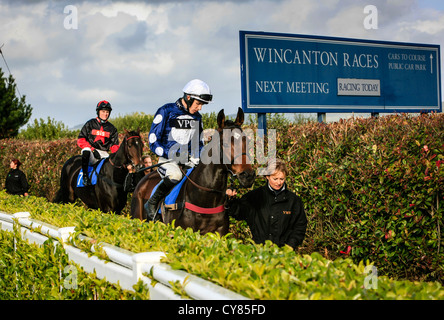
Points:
(372, 188)
(255, 271)
(32, 272)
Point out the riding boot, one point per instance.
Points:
(162, 190)
(85, 163)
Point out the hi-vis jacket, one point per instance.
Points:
(97, 135)
(172, 127)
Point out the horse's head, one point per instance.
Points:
(134, 147)
(234, 148)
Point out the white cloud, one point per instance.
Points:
(427, 26)
(139, 10)
(97, 94)
(140, 54)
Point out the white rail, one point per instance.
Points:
(125, 268)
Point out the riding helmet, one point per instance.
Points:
(197, 89)
(103, 105)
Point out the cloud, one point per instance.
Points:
(139, 54)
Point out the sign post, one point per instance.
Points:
(298, 73)
(262, 122)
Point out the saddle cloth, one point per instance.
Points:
(93, 172)
(172, 196)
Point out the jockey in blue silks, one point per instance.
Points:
(175, 136)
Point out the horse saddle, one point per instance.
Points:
(171, 197)
(93, 173)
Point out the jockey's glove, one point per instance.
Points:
(192, 162)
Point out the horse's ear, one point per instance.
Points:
(126, 131)
(138, 130)
(240, 117)
(221, 119)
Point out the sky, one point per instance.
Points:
(138, 55)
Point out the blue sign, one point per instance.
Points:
(298, 73)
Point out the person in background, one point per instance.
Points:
(16, 182)
(96, 138)
(272, 211)
(147, 162)
(133, 177)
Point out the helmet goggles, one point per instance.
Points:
(203, 97)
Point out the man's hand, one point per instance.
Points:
(231, 193)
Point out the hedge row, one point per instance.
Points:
(372, 188)
(255, 271)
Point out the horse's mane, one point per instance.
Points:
(132, 133)
(127, 134)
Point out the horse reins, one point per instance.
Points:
(209, 189)
(198, 186)
(226, 167)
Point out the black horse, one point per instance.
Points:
(202, 197)
(108, 194)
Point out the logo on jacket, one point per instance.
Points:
(183, 128)
(100, 134)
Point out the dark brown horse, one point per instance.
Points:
(201, 199)
(108, 194)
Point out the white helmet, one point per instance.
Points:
(199, 90)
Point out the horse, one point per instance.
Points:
(203, 192)
(108, 194)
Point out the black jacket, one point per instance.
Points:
(102, 136)
(16, 182)
(131, 180)
(277, 217)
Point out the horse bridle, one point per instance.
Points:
(126, 151)
(229, 170)
(233, 175)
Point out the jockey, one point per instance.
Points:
(96, 137)
(175, 137)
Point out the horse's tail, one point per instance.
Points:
(58, 196)
(63, 195)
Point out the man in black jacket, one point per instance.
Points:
(272, 211)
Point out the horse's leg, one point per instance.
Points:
(87, 195)
(71, 194)
(141, 194)
(222, 229)
(209, 223)
(137, 203)
(107, 197)
(135, 208)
